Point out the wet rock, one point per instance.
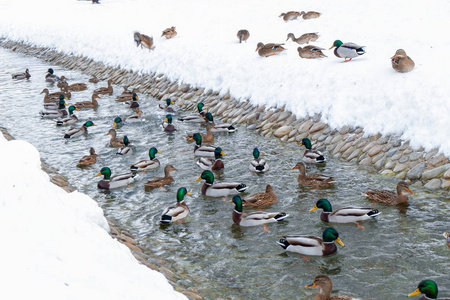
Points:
(282, 131)
(345, 147)
(404, 146)
(403, 159)
(369, 146)
(305, 126)
(416, 172)
(445, 184)
(415, 156)
(400, 168)
(436, 172)
(366, 161)
(401, 175)
(387, 172)
(375, 150)
(446, 174)
(433, 184)
(436, 161)
(354, 154)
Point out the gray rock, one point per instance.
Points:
(317, 127)
(416, 172)
(375, 150)
(366, 161)
(435, 173)
(446, 174)
(433, 184)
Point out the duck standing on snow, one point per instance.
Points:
(74, 132)
(390, 197)
(215, 164)
(178, 212)
(401, 62)
(147, 164)
(243, 35)
(51, 77)
(311, 156)
(266, 50)
(310, 15)
(69, 120)
(304, 38)
(310, 52)
(324, 283)
(347, 50)
(117, 181)
(169, 33)
(290, 15)
(221, 189)
(258, 165)
(143, 41)
(25, 75)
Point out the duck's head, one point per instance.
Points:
(27, 71)
(337, 43)
(62, 102)
(50, 70)
(135, 97)
(181, 193)
(126, 141)
(301, 167)
(290, 36)
(208, 176)
(323, 204)
(218, 153)
(209, 117)
(323, 282)
(89, 123)
(427, 287)
(259, 46)
(200, 106)
(169, 101)
(106, 172)
(399, 52)
(256, 153)
(168, 119)
(71, 109)
(152, 152)
(117, 120)
(330, 234)
(403, 187)
(237, 203)
(307, 143)
(197, 138)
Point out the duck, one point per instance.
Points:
(24, 75)
(88, 104)
(70, 119)
(201, 150)
(118, 122)
(316, 180)
(390, 197)
(221, 189)
(215, 164)
(126, 95)
(290, 15)
(55, 105)
(105, 90)
(167, 124)
(266, 198)
(258, 165)
(74, 132)
(311, 156)
(52, 113)
(125, 149)
(310, 15)
(93, 79)
(88, 160)
(169, 33)
(117, 181)
(429, 288)
(161, 181)
(51, 97)
(197, 118)
(311, 52)
(167, 107)
(147, 164)
(243, 35)
(447, 236)
(115, 141)
(345, 214)
(208, 137)
(137, 117)
(401, 62)
(219, 127)
(266, 50)
(74, 87)
(324, 283)
(312, 245)
(62, 83)
(254, 218)
(133, 103)
(143, 41)
(179, 211)
(51, 77)
(347, 50)
(304, 38)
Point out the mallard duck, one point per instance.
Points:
(75, 87)
(347, 50)
(94, 79)
(197, 118)
(219, 127)
(135, 118)
(304, 38)
(447, 236)
(70, 119)
(88, 104)
(125, 149)
(390, 197)
(261, 199)
(74, 132)
(143, 41)
(177, 212)
(220, 189)
(311, 156)
(50, 77)
(55, 113)
(243, 35)
(310, 15)
(127, 95)
(200, 150)
(323, 282)
(133, 103)
(51, 97)
(115, 141)
(169, 33)
(401, 62)
(105, 90)
(167, 107)
(147, 164)
(290, 15)
(254, 218)
(312, 245)
(312, 180)
(88, 159)
(429, 288)
(118, 122)
(345, 214)
(270, 49)
(161, 181)
(25, 75)
(258, 164)
(56, 105)
(114, 182)
(310, 52)
(208, 137)
(215, 164)
(62, 83)
(167, 124)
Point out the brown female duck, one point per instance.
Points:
(304, 38)
(390, 197)
(324, 283)
(94, 79)
(243, 35)
(88, 104)
(261, 199)
(88, 159)
(270, 49)
(312, 180)
(401, 62)
(290, 15)
(169, 33)
(161, 181)
(310, 15)
(105, 90)
(207, 137)
(115, 141)
(75, 87)
(311, 51)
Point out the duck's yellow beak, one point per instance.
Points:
(165, 120)
(222, 153)
(416, 292)
(76, 108)
(409, 191)
(311, 285)
(188, 193)
(158, 152)
(394, 56)
(339, 241)
(332, 47)
(230, 201)
(314, 208)
(99, 174)
(200, 178)
(114, 124)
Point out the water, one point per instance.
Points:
(223, 261)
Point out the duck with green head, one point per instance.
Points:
(51, 77)
(56, 105)
(215, 164)
(196, 118)
(114, 182)
(74, 132)
(168, 108)
(347, 50)
(125, 149)
(258, 164)
(201, 150)
(219, 189)
(254, 218)
(429, 288)
(312, 245)
(167, 124)
(70, 119)
(118, 122)
(311, 156)
(147, 164)
(219, 127)
(134, 101)
(60, 111)
(179, 211)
